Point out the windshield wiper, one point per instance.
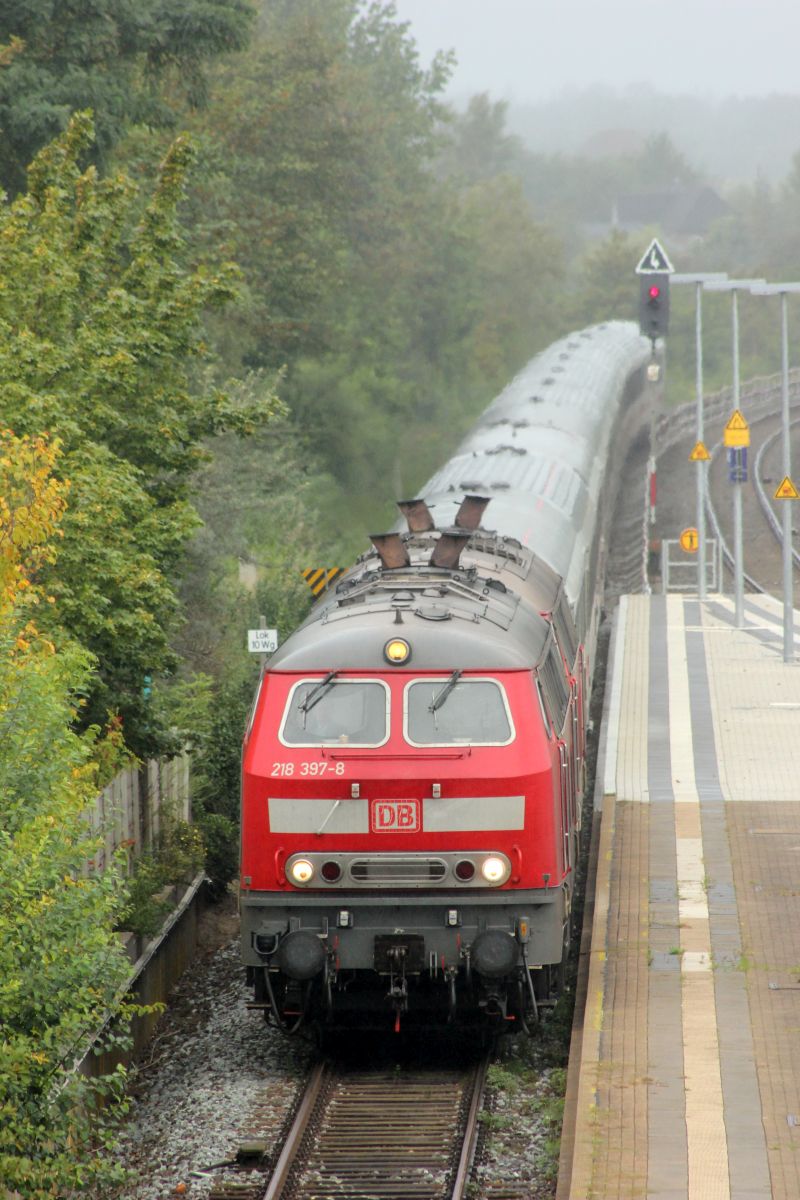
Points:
(440, 697)
(316, 693)
(336, 804)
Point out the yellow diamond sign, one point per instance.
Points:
(737, 432)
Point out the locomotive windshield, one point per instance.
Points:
(471, 712)
(335, 711)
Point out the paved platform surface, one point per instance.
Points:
(685, 1074)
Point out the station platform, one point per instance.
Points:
(684, 1077)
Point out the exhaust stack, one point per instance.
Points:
(391, 550)
(447, 550)
(471, 510)
(417, 515)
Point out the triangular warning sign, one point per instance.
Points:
(737, 421)
(654, 261)
(787, 490)
(699, 454)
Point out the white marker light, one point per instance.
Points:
(301, 871)
(495, 870)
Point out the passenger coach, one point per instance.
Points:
(414, 762)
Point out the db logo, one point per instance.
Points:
(395, 816)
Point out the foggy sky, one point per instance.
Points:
(530, 50)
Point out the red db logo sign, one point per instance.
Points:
(394, 816)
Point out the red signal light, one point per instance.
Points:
(654, 305)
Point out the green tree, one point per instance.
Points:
(660, 164)
(606, 286)
(479, 147)
(518, 277)
(132, 61)
(314, 140)
(369, 269)
(60, 964)
(99, 331)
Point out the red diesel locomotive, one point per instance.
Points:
(414, 761)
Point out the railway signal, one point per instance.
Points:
(654, 270)
(654, 305)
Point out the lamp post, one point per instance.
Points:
(784, 290)
(734, 286)
(699, 279)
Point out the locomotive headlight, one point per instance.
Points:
(301, 871)
(397, 651)
(495, 869)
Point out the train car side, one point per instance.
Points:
(414, 766)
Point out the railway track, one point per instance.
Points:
(763, 552)
(760, 401)
(761, 491)
(381, 1135)
(750, 582)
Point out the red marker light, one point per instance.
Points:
(655, 291)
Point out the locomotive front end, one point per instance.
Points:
(402, 861)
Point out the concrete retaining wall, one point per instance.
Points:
(154, 974)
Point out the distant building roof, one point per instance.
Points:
(685, 211)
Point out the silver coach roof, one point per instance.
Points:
(539, 451)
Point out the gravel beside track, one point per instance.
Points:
(215, 1075)
(212, 1072)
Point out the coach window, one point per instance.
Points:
(565, 631)
(329, 711)
(555, 687)
(449, 711)
(547, 719)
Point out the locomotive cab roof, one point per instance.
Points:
(465, 615)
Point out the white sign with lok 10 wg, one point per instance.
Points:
(262, 641)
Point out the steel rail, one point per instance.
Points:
(318, 1078)
(761, 398)
(763, 498)
(471, 1132)
(379, 1131)
(727, 554)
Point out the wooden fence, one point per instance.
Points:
(130, 811)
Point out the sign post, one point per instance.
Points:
(697, 279)
(736, 438)
(735, 286)
(654, 270)
(784, 492)
(262, 641)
